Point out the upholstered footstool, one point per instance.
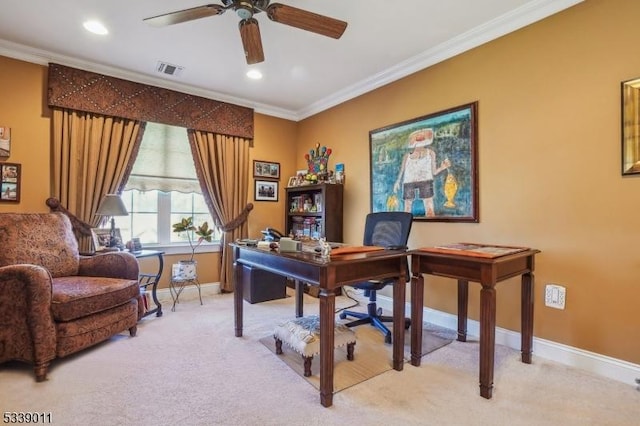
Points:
(303, 336)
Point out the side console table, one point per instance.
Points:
(152, 280)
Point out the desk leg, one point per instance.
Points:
(526, 345)
(463, 303)
(417, 302)
(327, 329)
(237, 297)
(399, 294)
(299, 298)
(487, 339)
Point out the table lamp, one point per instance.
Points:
(112, 205)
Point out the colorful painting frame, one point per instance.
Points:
(10, 177)
(403, 157)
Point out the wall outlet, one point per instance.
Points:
(555, 296)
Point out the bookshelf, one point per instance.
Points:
(315, 211)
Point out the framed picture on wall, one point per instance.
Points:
(266, 190)
(10, 176)
(428, 166)
(266, 169)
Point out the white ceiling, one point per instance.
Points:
(304, 73)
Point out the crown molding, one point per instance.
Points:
(527, 14)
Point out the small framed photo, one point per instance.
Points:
(10, 182)
(266, 190)
(266, 169)
(293, 181)
(102, 238)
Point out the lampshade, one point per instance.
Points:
(112, 205)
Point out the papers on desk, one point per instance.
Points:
(354, 249)
(473, 249)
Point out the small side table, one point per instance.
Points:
(177, 284)
(152, 280)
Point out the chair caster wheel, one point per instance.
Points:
(387, 339)
(379, 312)
(343, 315)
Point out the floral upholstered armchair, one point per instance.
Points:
(54, 302)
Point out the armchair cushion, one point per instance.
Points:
(40, 239)
(76, 297)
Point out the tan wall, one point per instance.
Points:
(549, 163)
(23, 108)
(274, 140)
(549, 166)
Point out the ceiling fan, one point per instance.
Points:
(249, 29)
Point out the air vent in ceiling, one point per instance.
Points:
(169, 69)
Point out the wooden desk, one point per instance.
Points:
(488, 272)
(328, 276)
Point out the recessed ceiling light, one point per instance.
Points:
(254, 74)
(95, 27)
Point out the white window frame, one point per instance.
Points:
(163, 218)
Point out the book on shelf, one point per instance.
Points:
(475, 249)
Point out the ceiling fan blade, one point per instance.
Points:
(186, 15)
(251, 41)
(306, 20)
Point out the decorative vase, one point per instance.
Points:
(450, 190)
(187, 269)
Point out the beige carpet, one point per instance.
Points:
(188, 368)
(371, 356)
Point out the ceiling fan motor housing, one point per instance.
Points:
(255, 5)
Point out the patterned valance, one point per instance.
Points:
(87, 91)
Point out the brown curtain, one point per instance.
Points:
(92, 156)
(222, 166)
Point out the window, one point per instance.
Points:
(162, 189)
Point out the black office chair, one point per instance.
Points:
(386, 229)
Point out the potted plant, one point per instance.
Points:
(204, 233)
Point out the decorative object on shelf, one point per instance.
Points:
(134, 246)
(266, 169)
(428, 166)
(318, 164)
(187, 227)
(293, 181)
(339, 175)
(630, 126)
(111, 206)
(266, 190)
(10, 182)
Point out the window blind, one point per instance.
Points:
(164, 161)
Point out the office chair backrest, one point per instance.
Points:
(387, 229)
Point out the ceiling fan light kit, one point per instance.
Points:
(248, 25)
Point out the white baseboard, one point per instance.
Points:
(612, 368)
